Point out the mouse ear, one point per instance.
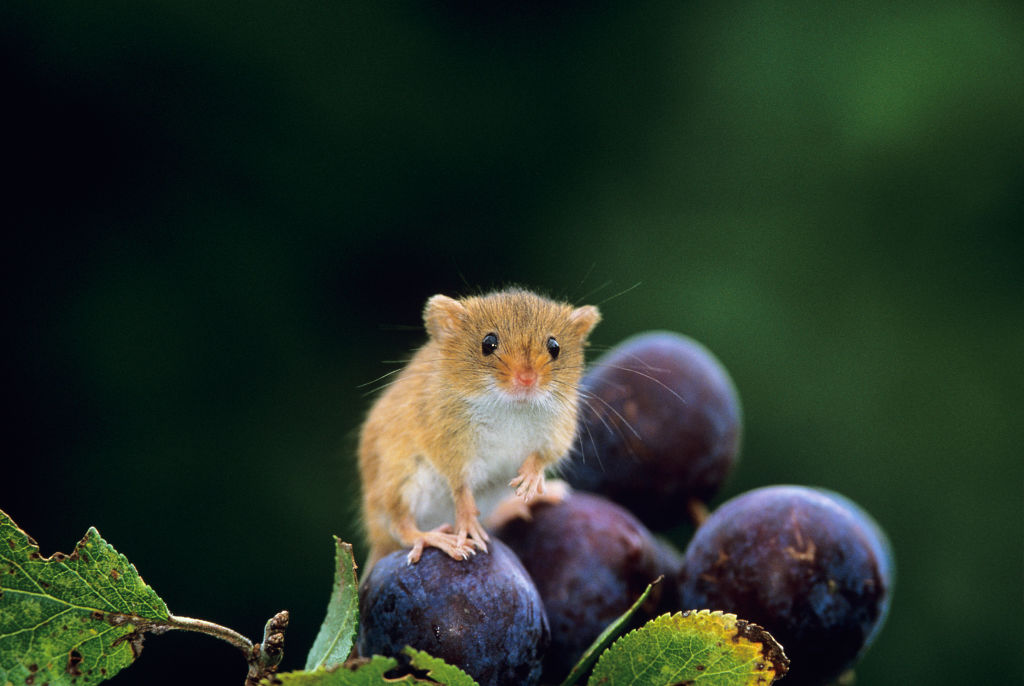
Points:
(443, 315)
(583, 319)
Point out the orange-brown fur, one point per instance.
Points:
(457, 421)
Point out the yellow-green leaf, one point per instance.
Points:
(69, 618)
(695, 647)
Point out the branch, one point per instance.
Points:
(263, 658)
(210, 629)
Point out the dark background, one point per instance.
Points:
(225, 217)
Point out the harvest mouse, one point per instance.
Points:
(488, 402)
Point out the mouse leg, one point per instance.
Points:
(513, 507)
(467, 523)
(507, 510)
(441, 538)
(530, 481)
(555, 491)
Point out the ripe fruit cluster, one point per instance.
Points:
(659, 434)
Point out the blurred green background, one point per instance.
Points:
(225, 219)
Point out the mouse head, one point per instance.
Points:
(515, 343)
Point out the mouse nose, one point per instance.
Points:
(525, 377)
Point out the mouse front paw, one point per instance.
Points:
(528, 485)
(530, 482)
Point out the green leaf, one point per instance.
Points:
(334, 642)
(439, 670)
(355, 673)
(606, 637)
(361, 672)
(704, 648)
(67, 619)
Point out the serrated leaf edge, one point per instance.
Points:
(417, 661)
(770, 648)
(127, 627)
(92, 536)
(342, 549)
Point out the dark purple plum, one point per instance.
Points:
(483, 614)
(590, 560)
(808, 565)
(659, 428)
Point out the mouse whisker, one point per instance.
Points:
(590, 434)
(648, 377)
(622, 419)
(382, 376)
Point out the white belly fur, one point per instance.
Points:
(506, 434)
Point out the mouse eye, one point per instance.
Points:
(489, 344)
(553, 347)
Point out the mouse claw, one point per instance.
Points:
(473, 537)
(414, 555)
(455, 546)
